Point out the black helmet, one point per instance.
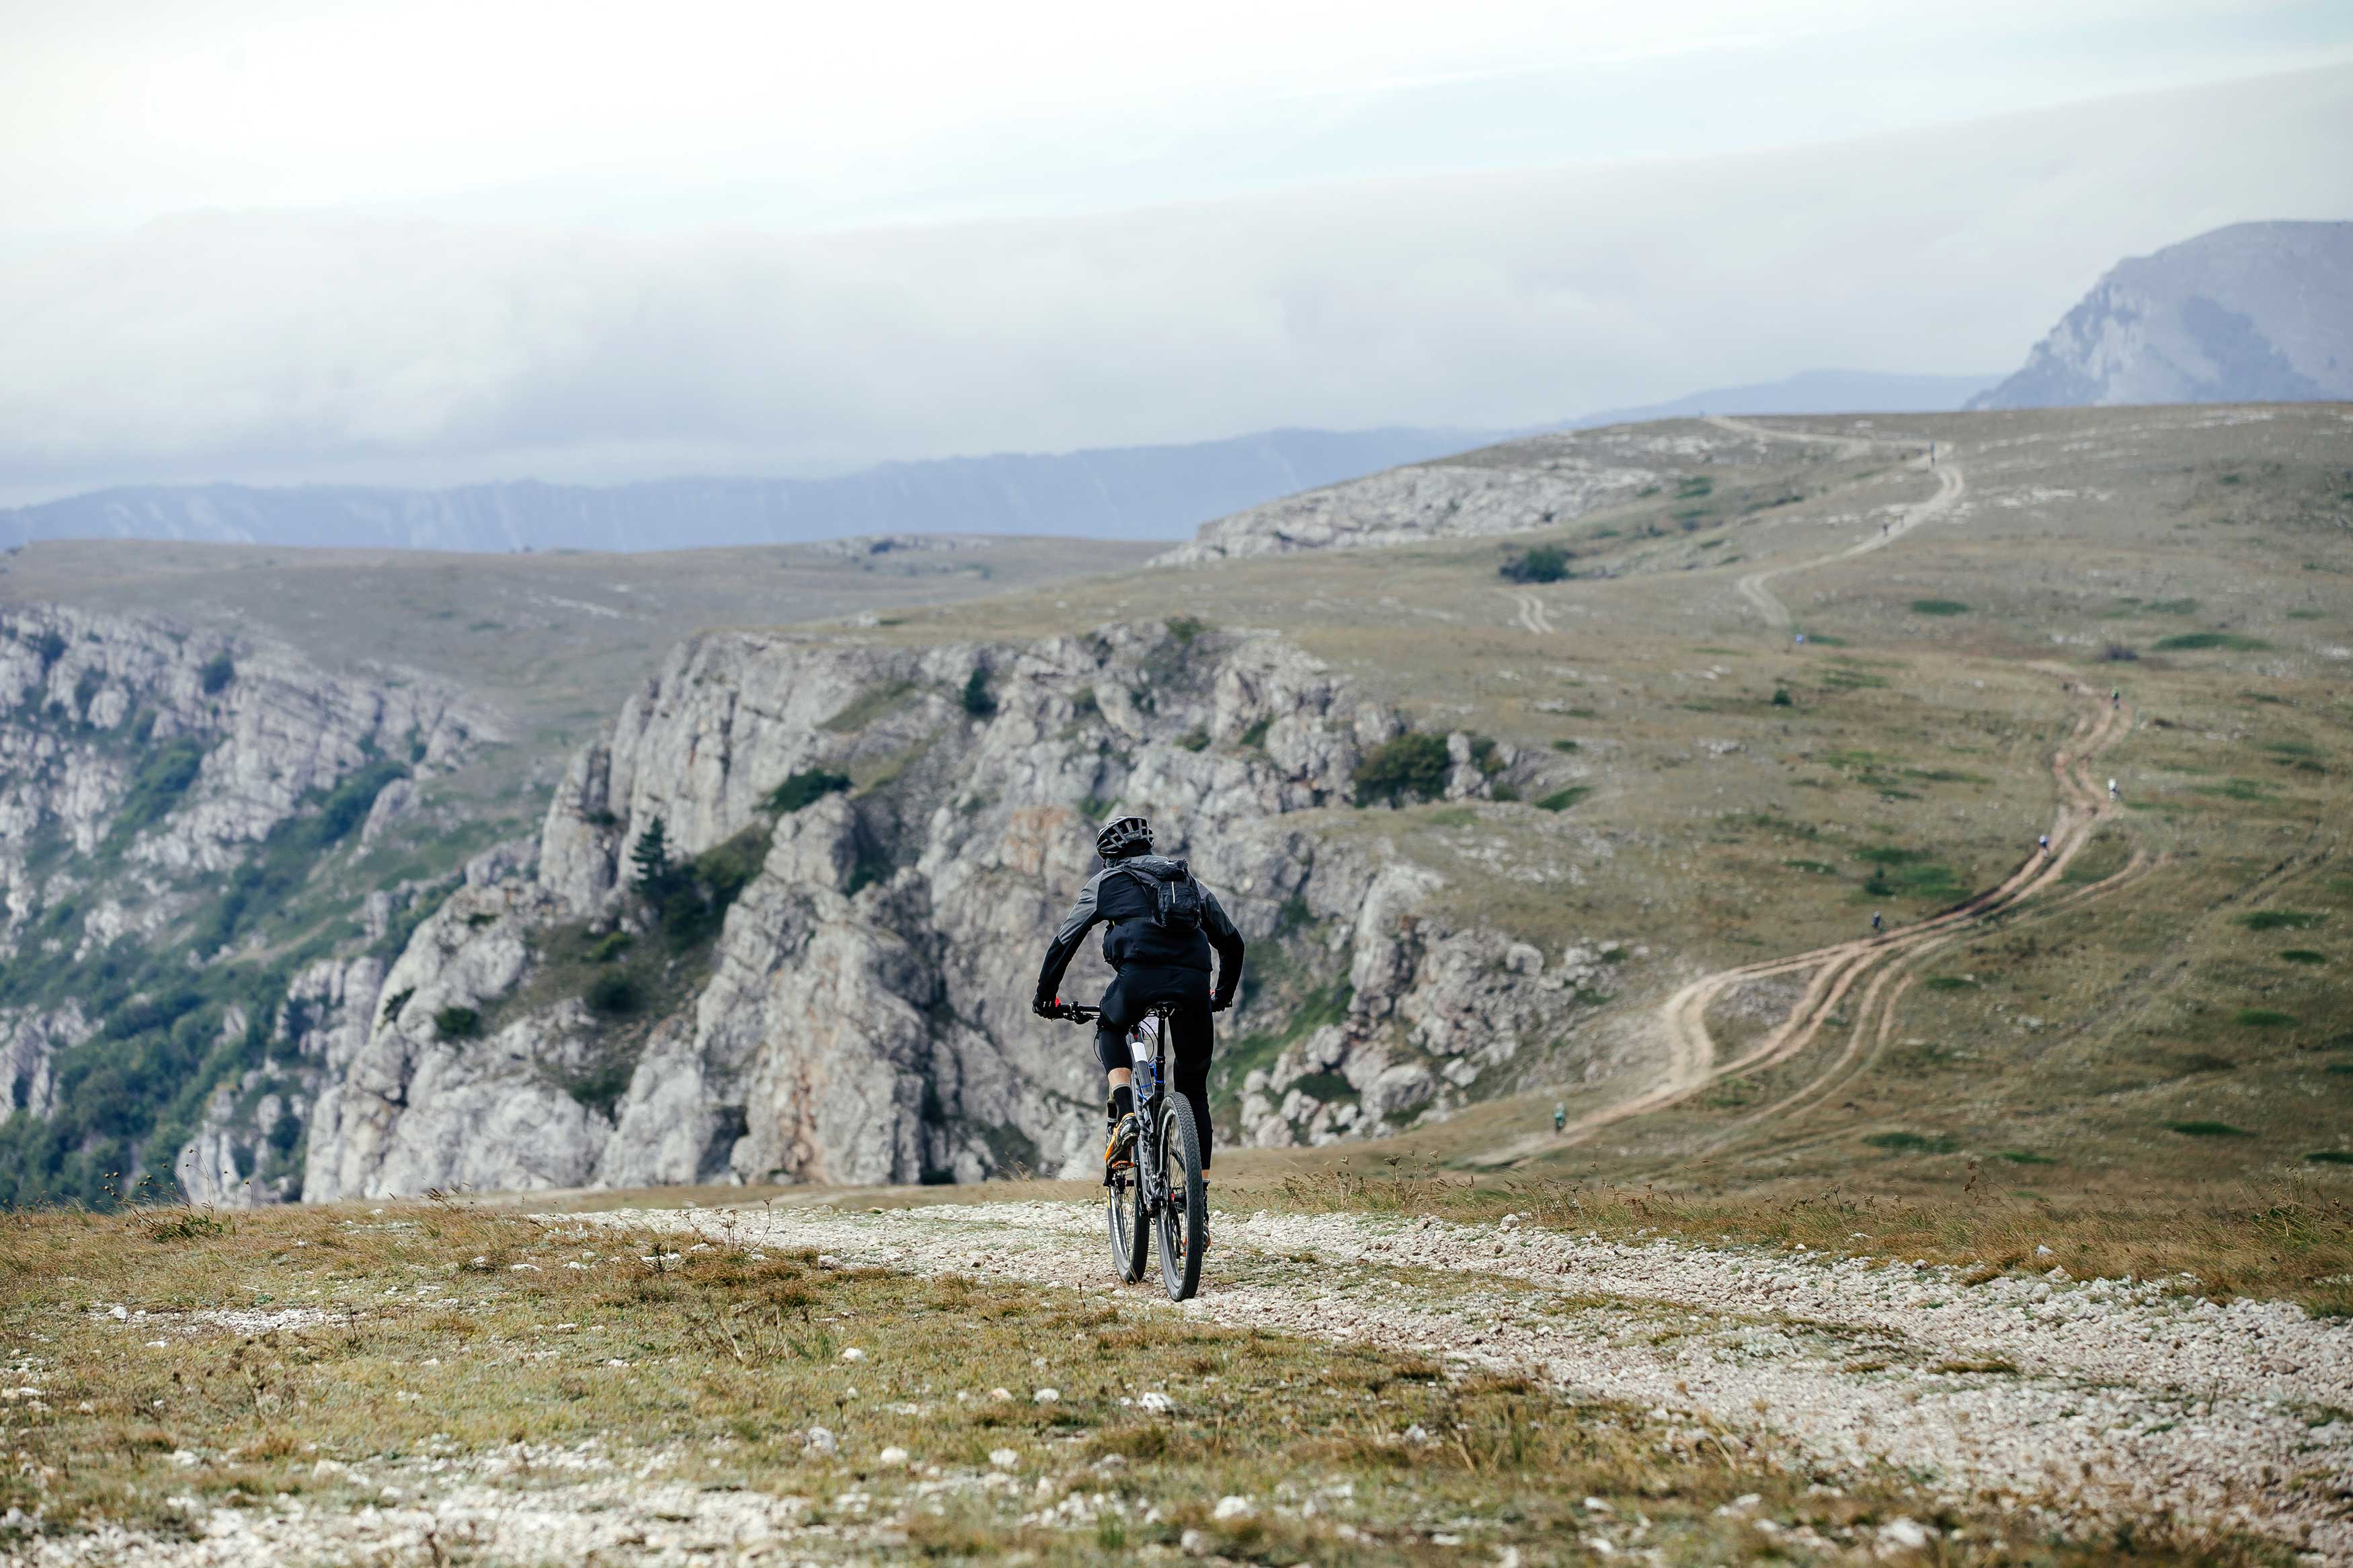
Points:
(1124, 835)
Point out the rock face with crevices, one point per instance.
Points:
(144, 769)
(862, 1012)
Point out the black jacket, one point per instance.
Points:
(1117, 895)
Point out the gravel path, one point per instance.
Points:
(2109, 1399)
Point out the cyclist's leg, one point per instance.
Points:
(1120, 1013)
(1191, 1039)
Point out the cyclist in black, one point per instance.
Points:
(1163, 926)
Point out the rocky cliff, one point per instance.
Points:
(167, 801)
(871, 840)
(2257, 313)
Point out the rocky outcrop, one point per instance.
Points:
(862, 1012)
(173, 751)
(1536, 482)
(2256, 312)
(145, 771)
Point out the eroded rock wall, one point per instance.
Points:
(862, 1014)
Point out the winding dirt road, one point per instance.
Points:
(1873, 972)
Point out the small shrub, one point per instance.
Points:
(1939, 607)
(2302, 955)
(1185, 629)
(802, 789)
(1564, 745)
(2192, 642)
(2260, 1019)
(1414, 766)
(2330, 1157)
(1781, 698)
(977, 699)
(1538, 563)
(457, 1023)
(1562, 799)
(2281, 920)
(615, 995)
(2118, 653)
(1912, 1142)
(218, 672)
(609, 947)
(2207, 1130)
(1198, 739)
(1952, 982)
(394, 1004)
(2024, 1157)
(1256, 734)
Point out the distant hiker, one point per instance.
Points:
(1875, 921)
(1801, 639)
(2116, 698)
(2112, 789)
(2045, 843)
(1882, 530)
(1560, 1120)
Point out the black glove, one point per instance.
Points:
(1219, 1004)
(1045, 1009)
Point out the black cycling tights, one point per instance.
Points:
(1191, 1036)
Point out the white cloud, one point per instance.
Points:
(289, 345)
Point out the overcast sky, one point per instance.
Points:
(438, 242)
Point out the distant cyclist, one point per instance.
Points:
(1163, 924)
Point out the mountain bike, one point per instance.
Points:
(1162, 1194)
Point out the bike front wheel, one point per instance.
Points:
(1124, 1219)
(1182, 1225)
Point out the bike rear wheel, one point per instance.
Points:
(1184, 1219)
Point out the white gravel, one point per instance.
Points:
(2125, 1400)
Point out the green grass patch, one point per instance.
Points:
(1939, 607)
(1951, 983)
(802, 789)
(2302, 955)
(2330, 1157)
(867, 706)
(2025, 1157)
(2262, 1018)
(2207, 1130)
(1562, 799)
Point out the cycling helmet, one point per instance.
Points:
(1124, 835)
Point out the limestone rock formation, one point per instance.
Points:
(891, 830)
(2256, 312)
(1535, 482)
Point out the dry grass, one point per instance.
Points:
(317, 1354)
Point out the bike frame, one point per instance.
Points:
(1147, 1050)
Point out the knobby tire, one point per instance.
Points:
(1184, 1215)
(1131, 1238)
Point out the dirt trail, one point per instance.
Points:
(1951, 485)
(1878, 965)
(1881, 964)
(2107, 1400)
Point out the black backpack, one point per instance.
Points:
(1178, 900)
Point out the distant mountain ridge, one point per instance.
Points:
(1120, 492)
(2256, 312)
(1161, 492)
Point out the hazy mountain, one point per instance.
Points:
(1811, 392)
(1119, 493)
(2256, 312)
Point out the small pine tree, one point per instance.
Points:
(651, 858)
